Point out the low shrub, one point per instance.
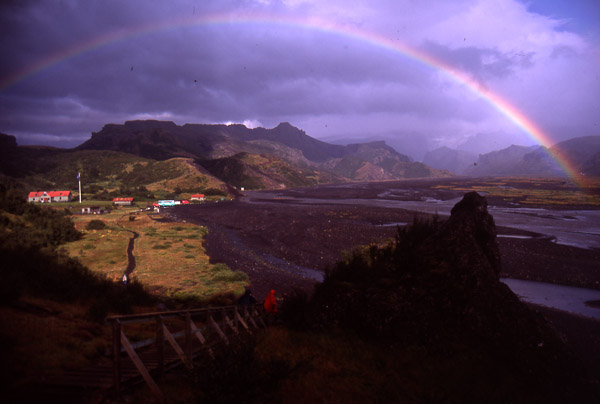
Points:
(95, 224)
(220, 267)
(231, 276)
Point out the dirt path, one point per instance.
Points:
(130, 257)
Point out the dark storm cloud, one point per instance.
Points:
(326, 82)
(483, 64)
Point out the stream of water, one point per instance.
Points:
(566, 298)
(578, 228)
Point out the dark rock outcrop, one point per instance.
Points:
(467, 241)
(435, 282)
(436, 288)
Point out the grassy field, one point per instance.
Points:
(533, 191)
(42, 337)
(170, 257)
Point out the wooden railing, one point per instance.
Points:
(143, 338)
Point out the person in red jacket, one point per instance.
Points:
(270, 303)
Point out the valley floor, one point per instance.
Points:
(282, 241)
(284, 244)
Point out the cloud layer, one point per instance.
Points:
(71, 66)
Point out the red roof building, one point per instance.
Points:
(123, 201)
(197, 197)
(50, 196)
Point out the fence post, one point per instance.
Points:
(214, 324)
(116, 345)
(160, 344)
(188, 338)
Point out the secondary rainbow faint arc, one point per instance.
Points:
(499, 103)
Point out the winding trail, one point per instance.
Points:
(130, 256)
(130, 247)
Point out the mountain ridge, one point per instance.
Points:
(205, 142)
(581, 154)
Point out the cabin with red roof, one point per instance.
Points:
(123, 201)
(50, 196)
(197, 197)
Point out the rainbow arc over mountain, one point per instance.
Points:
(371, 38)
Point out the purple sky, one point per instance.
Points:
(69, 67)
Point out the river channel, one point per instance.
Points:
(565, 298)
(577, 228)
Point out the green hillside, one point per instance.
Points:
(106, 174)
(253, 171)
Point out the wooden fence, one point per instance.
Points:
(154, 342)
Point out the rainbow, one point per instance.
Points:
(371, 38)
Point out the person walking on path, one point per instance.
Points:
(270, 303)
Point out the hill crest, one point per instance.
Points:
(161, 140)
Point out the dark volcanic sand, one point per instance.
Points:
(269, 235)
(270, 241)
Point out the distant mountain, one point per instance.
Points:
(21, 161)
(445, 158)
(592, 165)
(582, 153)
(482, 143)
(160, 159)
(160, 140)
(502, 162)
(411, 144)
(214, 146)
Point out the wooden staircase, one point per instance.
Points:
(144, 346)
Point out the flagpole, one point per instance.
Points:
(79, 179)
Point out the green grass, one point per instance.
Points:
(169, 256)
(107, 174)
(532, 191)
